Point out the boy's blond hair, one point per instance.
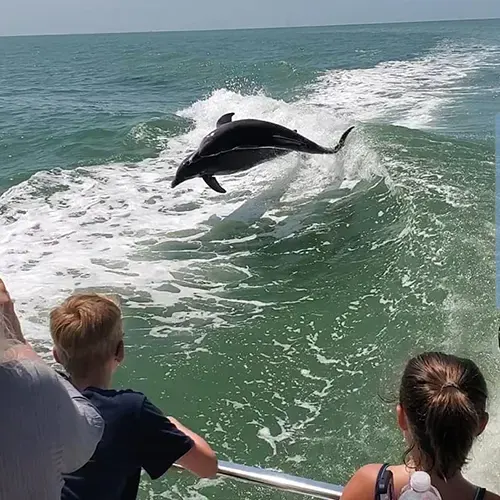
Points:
(86, 330)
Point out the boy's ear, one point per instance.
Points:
(120, 351)
(56, 355)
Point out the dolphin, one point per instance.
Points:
(236, 146)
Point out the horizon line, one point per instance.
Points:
(249, 28)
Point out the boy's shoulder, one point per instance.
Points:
(122, 400)
(115, 393)
(113, 403)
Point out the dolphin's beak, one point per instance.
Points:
(180, 175)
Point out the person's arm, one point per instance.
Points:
(81, 428)
(11, 332)
(162, 443)
(9, 322)
(361, 486)
(70, 427)
(200, 459)
(79, 424)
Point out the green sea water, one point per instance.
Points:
(269, 319)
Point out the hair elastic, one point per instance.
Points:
(450, 384)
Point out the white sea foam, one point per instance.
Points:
(409, 93)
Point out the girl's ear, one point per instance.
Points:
(401, 417)
(484, 423)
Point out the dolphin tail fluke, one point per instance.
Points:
(213, 183)
(342, 140)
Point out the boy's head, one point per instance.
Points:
(87, 333)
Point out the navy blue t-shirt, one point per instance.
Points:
(137, 435)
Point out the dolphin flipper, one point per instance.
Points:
(213, 183)
(227, 118)
(342, 139)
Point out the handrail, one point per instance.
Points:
(279, 480)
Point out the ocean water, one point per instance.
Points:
(270, 318)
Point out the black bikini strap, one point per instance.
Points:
(379, 476)
(381, 471)
(480, 493)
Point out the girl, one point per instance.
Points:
(441, 411)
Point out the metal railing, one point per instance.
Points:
(279, 480)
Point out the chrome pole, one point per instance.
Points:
(279, 480)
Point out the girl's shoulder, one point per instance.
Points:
(362, 483)
(491, 496)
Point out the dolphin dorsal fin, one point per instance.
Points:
(227, 118)
(212, 182)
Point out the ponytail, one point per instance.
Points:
(444, 399)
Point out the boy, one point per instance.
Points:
(88, 341)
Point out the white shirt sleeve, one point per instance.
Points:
(81, 427)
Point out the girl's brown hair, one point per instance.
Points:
(444, 399)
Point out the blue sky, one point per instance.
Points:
(92, 16)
